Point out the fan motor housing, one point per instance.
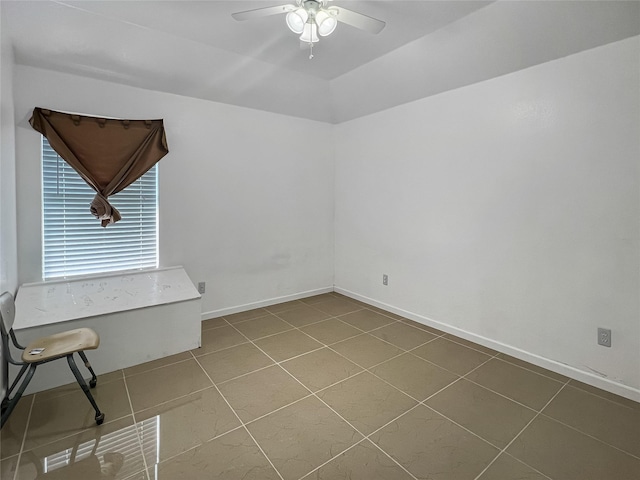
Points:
(311, 6)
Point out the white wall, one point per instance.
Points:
(246, 200)
(8, 245)
(508, 211)
(8, 264)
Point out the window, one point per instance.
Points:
(73, 240)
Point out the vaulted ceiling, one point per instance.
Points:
(195, 48)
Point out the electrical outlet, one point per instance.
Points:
(604, 337)
(201, 287)
(385, 279)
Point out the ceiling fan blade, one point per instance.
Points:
(262, 12)
(358, 20)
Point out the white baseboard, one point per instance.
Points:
(263, 303)
(567, 370)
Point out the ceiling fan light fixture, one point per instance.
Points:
(310, 18)
(326, 23)
(310, 33)
(297, 19)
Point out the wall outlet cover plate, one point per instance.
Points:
(604, 337)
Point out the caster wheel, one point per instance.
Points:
(99, 419)
(92, 383)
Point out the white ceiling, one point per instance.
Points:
(195, 48)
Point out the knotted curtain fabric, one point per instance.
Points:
(109, 154)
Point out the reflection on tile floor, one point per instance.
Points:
(326, 388)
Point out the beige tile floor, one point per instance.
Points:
(326, 388)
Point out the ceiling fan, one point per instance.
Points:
(310, 18)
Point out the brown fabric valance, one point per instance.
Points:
(108, 154)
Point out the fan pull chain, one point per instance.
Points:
(310, 50)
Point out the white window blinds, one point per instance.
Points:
(74, 243)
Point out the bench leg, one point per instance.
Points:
(94, 379)
(74, 368)
(14, 401)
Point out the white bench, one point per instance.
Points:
(140, 316)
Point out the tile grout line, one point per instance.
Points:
(393, 459)
(399, 355)
(77, 432)
(288, 310)
(293, 327)
(337, 317)
(393, 386)
(297, 400)
(589, 435)
(180, 397)
(24, 438)
(364, 369)
(324, 403)
(392, 421)
(332, 458)
(449, 338)
(446, 369)
(470, 431)
(461, 426)
(630, 407)
(243, 425)
(278, 363)
(346, 421)
(167, 364)
(328, 346)
(368, 437)
(245, 374)
(169, 458)
(523, 463)
(73, 385)
(503, 395)
(364, 439)
(83, 429)
(252, 341)
(567, 384)
(135, 425)
(401, 320)
(520, 432)
(497, 357)
(368, 332)
(331, 317)
(200, 444)
(302, 355)
(423, 403)
(460, 377)
(444, 336)
(412, 408)
(393, 321)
